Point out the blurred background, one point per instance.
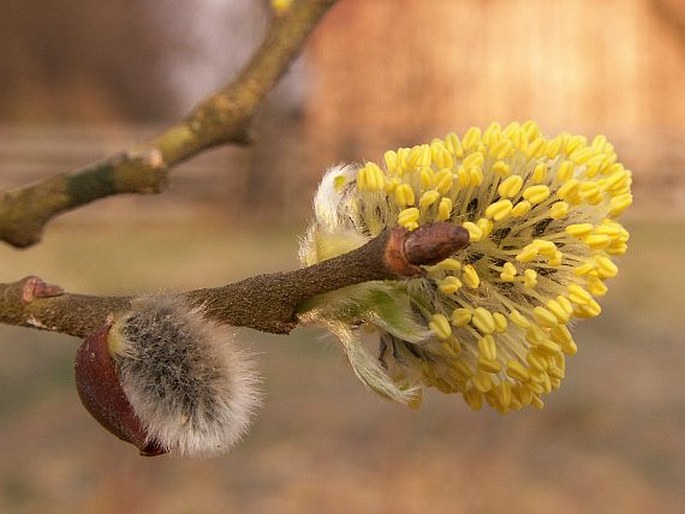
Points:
(80, 80)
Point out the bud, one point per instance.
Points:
(167, 380)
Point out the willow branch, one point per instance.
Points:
(223, 117)
(265, 302)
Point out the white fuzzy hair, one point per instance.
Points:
(192, 388)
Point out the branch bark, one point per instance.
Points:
(223, 117)
(265, 302)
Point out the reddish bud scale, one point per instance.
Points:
(98, 386)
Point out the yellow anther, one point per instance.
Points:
(535, 148)
(370, 178)
(461, 317)
(462, 368)
(610, 228)
(584, 269)
(444, 210)
(501, 149)
(531, 129)
(569, 191)
(441, 155)
(508, 273)
(485, 226)
(558, 311)
(545, 317)
(499, 210)
(510, 186)
(544, 247)
(517, 371)
(391, 185)
(530, 278)
(521, 208)
(503, 392)
(536, 194)
(527, 253)
(588, 310)
(488, 347)
(427, 176)
(483, 320)
(454, 145)
(492, 133)
(519, 319)
(620, 203)
(390, 158)
(574, 142)
(556, 259)
(501, 323)
(565, 172)
(404, 195)
(597, 241)
(473, 398)
(596, 287)
(537, 402)
(475, 159)
(339, 183)
(471, 138)
(482, 381)
(588, 190)
(475, 175)
(606, 267)
(449, 264)
(561, 334)
(440, 326)
(443, 181)
(501, 168)
(450, 285)
(548, 347)
(418, 156)
(463, 177)
(428, 198)
(617, 180)
(409, 218)
(489, 366)
(559, 210)
(554, 146)
(582, 154)
(470, 276)
(539, 173)
(565, 304)
(579, 230)
(578, 295)
(475, 233)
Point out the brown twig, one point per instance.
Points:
(265, 302)
(223, 117)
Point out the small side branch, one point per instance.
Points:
(265, 302)
(222, 118)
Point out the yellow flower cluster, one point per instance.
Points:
(541, 214)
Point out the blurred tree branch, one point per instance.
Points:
(222, 118)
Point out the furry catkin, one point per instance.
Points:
(192, 388)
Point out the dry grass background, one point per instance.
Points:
(609, 441)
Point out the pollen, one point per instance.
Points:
(492, 321)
